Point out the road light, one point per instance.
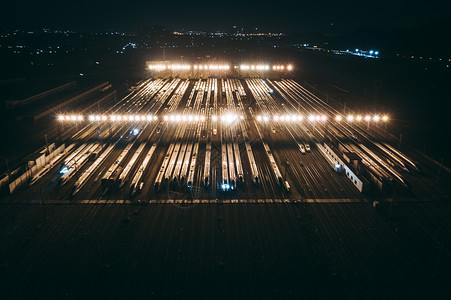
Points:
(338, 118)
(376, 118)
(384, 118)
(61, 118)
(367, 118)
(311, 118)
(323, 118)
(350, 118)
(358, 118)
(166, 118)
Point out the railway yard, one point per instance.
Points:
(229, 187)
(223, 139)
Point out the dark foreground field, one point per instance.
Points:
(289, 250)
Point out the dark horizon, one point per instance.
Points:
(329, 17)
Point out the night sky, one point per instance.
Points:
(325, 16)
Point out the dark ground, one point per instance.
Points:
(223, 251)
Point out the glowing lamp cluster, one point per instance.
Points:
(122, 118)
(183, 118)
(358, 118)
(70, 118)
(282, 68)
(211, 67)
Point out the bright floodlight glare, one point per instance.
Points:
(317, 118)
(311, 118)
(97, 118)
(338, 118)
(350, 118)
(358, 118)
(276, 118)
(125, 118)
(384, 118)
(131, 118)
(143, 118)
(61, 118)
(172, 118)
(265, 118)
(165, 118)
(202, 118)
(196, 118)
(80, 118)
(149, 118)
(91, 118)
(259, 118)
(214, 118)
(184, 118)
(376, 118)
(113, 118)
(367, 118)
(323, 118)
(289, 67)
(300, 118)
(104, 118)
(155, 118)
(119, 118)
